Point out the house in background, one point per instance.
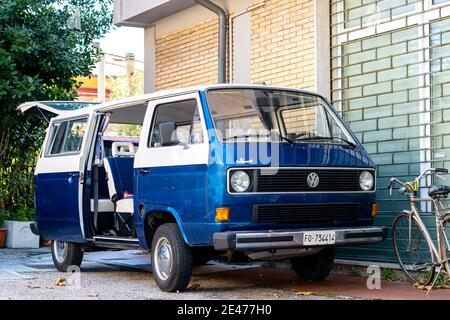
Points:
(385, 65)
(105, 82)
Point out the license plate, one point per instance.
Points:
(317, 238)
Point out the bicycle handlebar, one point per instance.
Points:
(435, 171)
(441, 170)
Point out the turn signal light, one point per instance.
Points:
(222, 214)
(374, 210)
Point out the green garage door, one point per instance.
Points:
(391, 80)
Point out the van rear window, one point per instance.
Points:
(67, 136)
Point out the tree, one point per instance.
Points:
(123, 86)
(44, 45)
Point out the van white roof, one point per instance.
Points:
(111, 105)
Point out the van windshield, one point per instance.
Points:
(263, 115)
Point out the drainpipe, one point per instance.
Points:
(222, 54)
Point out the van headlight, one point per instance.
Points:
(366, 180)
(240, 181)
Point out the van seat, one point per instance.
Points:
(104, 205)
(119, 171)
(123, 149)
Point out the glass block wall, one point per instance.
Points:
(391, 81)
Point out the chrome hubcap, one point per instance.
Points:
(163, 258)
(60, 249)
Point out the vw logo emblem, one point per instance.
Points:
(312, 180)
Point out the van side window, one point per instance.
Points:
(184, 117)
(67, 136)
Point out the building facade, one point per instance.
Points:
(101, 84)
(385, 65)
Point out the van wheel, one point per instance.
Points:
(66, 254)
(171, 259)
(316, 267)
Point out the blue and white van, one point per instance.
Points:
(250, 172)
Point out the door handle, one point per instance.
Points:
(143, 171)
(72, 175)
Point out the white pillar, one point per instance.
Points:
(240, 56)
(101, 88)
(322, 47)
(149, 59)
(129, 64)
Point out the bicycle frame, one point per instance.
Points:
(440, 252)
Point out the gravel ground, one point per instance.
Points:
(134, 286)
(101, 278)
(126, 274)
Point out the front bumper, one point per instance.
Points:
(267, 240)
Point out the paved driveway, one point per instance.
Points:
(29, 274)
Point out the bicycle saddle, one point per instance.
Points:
(438, 191)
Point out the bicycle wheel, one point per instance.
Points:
(415, 256)
(446, 241)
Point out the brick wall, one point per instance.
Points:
(187, 57)
(282, 49)
(300, 120)
(283, 44)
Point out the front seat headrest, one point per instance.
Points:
(122, 149)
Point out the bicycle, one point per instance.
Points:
(414, 248)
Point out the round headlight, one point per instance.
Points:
(366, 181)
(240, 181)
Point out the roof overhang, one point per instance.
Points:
(138, 13)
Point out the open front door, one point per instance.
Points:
(59, 173)
(59, 179)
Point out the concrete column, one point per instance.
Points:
(101, 86)
(322, 47)
(241, 60)
(149, 59)
(129, 64)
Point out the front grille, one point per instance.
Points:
(295, 180)
(305, 213)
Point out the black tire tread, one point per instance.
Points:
(182, 272)
(74, 257)
(397, 254)
(316, 267)
(446, 220)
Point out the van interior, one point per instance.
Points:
(111, 192)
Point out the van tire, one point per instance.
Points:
(316, 267)
(168, 245)
(66, 254)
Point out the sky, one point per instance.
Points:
(122, 40)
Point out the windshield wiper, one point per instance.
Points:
(351, 144)
(248, 135)
(290, 141)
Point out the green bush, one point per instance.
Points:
(23, 213)
(41, 54)
(4, 215)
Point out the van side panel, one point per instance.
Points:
(58, 190)
(180, 188)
